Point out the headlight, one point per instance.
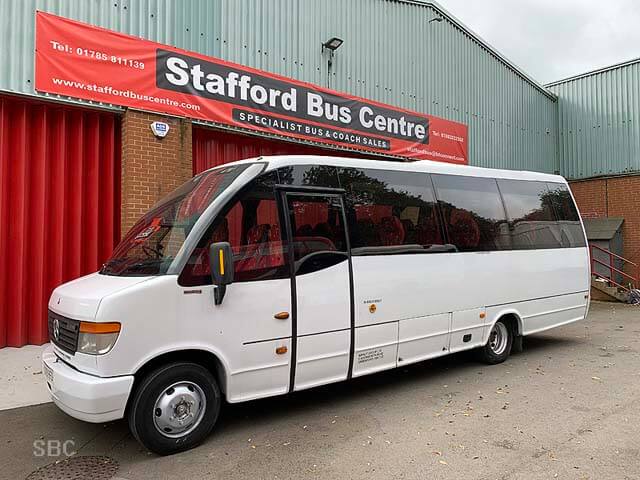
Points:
(97, 338)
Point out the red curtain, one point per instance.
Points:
(215, 147)
(59, 206)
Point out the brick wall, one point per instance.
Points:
(591, 197)
(151, 167)
(613, 197)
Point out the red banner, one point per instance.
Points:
(88, 62)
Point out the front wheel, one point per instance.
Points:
(174, 408)
(498, 346)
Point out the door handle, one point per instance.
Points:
(281, 315)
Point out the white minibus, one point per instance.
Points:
(278, 274)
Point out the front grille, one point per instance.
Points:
(67, 332)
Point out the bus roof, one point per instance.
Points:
(425, 166)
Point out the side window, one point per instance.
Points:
(309, 175)
(318, 232)
(532, 222)
(252, 228)
(390, 212)
(567, 214)
(473, 212)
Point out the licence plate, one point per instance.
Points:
(48, 374)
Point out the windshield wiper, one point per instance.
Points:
(124, 265)
(107, 266)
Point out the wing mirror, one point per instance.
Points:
(221, 262)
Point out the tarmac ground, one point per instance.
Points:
(567, 407)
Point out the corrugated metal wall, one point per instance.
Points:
(392, 53)
(59, 206)
(599, 122)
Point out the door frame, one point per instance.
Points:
(283, 192)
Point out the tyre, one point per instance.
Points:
(499, 345)
(174, 408)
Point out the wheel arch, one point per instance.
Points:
(513, 318)
(206, 358)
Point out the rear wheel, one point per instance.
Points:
(499, 345)
(174, 408)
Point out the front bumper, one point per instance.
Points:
(85, 397)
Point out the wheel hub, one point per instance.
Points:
(498, 338)
(179, 409)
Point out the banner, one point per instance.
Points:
(92, 63)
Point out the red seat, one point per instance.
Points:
(276, 253)
(391, 231)
(428, 231)
(200, 256)
(463, 229)
(263, 249)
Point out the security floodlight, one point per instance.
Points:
(333, 44)
(437, 19)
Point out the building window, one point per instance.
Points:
(390, 212)
(473, 213)
(252, 228)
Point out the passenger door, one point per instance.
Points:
(321, 286)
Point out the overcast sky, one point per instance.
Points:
(554, 39)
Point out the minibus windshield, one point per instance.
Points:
(154, 241)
